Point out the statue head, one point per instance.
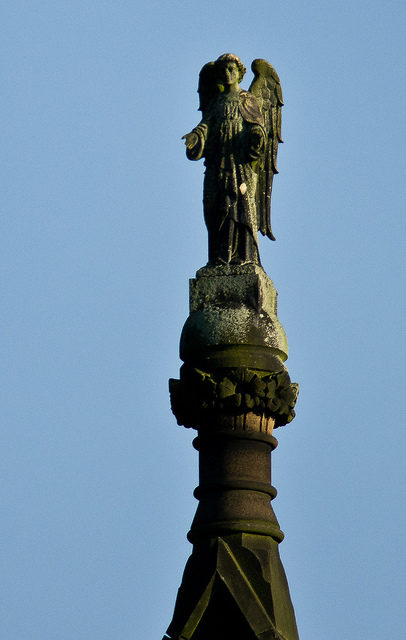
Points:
(226, 58)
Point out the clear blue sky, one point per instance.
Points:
(101, 228)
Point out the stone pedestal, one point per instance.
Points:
(234, 389)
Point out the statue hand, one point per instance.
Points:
(191, 139)
(256, 143)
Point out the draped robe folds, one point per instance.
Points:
(231, 138)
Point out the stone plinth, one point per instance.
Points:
(234, 306)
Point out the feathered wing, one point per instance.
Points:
(208, 87)
(267, 89)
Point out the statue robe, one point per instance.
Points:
(231, 139)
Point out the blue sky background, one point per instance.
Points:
(101, 228)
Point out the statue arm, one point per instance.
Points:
(256, 142)
(195, 141)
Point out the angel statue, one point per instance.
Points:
(238, 137)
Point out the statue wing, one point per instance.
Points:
(208, 86)
(267, 89)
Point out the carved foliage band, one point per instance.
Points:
(199, 394)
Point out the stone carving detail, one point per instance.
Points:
(198, 394)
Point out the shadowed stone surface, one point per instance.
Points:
(234, 588)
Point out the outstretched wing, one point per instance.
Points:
(208, 87)
(267, 89)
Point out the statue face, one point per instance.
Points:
(229, 73)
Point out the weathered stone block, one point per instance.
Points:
(234, 306)
(232, 285)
